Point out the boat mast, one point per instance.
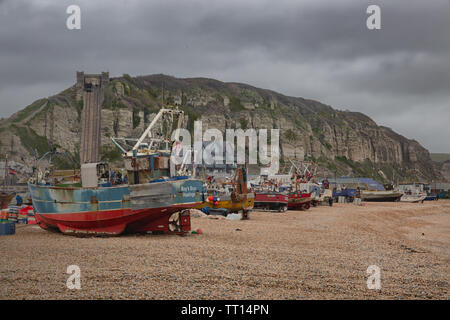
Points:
(147, 132)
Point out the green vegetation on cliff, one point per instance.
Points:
(440, 157)
(344, 142)
(31, 140)
(23, 114)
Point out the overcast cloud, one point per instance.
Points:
(322, 50)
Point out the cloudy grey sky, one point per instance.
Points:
(399, 75)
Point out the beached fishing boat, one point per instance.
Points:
(315, 191)
(413, 198)
(302, 191)
(114, 210)
(268, 194)
(273, 201)
(5, 199)
(299, 201)
(380, 196)
(233, 197)
(153, 200)
(413, 193)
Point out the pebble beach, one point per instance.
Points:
(321, 253)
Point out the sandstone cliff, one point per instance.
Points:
(340, 142)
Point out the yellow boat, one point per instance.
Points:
(235, 199)
(225, 201)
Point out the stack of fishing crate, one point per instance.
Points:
(26, 213)
(13, 213)
(4, 215)
(21, 214)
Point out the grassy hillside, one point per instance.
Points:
(440, 157)
(340, 142)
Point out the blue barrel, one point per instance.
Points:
(7, 228)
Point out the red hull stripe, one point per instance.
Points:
(110, 214)
(100, 219)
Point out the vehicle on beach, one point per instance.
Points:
(347, 194)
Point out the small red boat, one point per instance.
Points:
(5, 199)
(299, 201)
(271, 201)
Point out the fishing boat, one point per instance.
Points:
(231, 197)
(299, 201)
(413, 198)
(412, 193)
(145, 207)
(315, 191)
(271, 201)
(269, 197)
(301, 192)
(5, 199)
(381, 195)
(154, 199)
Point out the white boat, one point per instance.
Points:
(413, 198)
(412, 193)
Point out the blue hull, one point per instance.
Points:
(142, 207)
